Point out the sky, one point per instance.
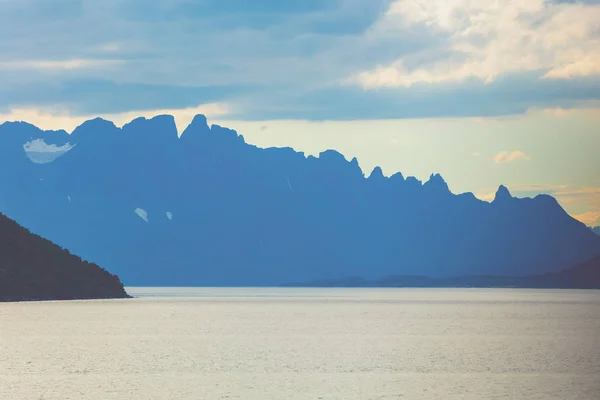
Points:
(484, 92)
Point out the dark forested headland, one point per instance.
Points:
(33, 268)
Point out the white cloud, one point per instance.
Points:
(489, 38)
(587, 66)
(109, 47)
(61, 118)
(510, 156)
(57, 65)
(588, 107)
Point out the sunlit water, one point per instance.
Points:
(305, 344)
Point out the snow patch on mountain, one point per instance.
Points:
(143, 214)
(39, 152)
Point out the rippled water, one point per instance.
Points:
(305, 344)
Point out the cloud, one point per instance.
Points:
(487, 39)
(574, 195)
(587, 66)
(85, 96)
(510, 156)
(591, 107)
(57, 65)
(590, 218)
(270, 60)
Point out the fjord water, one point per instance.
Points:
(305, 344)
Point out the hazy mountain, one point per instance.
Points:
(32, 268)
(596, 230)
(210, 209)
(585, 275)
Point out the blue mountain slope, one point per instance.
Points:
(222, 212)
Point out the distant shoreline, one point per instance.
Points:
(582, 276)
(375, 286)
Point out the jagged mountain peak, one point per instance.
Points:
(334, 161)
(413, 181)
(377, 174)
(397, 177)
(19, 124)
(162, 126)
(198, 126)
(215, 135)
(547, 199)
(199, 120)
(94, 126)
(332, 155)
(26, 128)
(502, 194)
(437, 183)
(161, 120)
(227, 134)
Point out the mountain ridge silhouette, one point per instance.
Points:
(585, 275)
(224, 212)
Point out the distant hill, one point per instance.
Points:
(585, 275)
(596, 230)
(32, 268)
(209, 209)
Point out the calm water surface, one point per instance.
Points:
(305, 344)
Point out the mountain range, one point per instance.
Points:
(33, 268)
(585, 275)
(207, 208)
